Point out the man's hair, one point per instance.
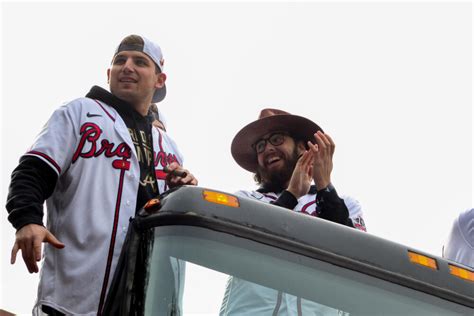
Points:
(132, 40)
(153, 111)
(257, 177)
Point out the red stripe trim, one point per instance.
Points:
(160, 140)
(49, 159)
(106, 112)
(307, 205)
(159, 176)
(360, 227)
(112, 244)
(269, 196)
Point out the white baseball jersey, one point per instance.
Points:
(245, 298)
(460, 244)
(89, 146)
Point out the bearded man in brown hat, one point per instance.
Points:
(287, 153)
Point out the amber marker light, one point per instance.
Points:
(461, 272)
(220, 198)
(422, 260)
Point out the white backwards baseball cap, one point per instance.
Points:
(152, 50)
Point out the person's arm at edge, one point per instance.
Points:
(32, 182)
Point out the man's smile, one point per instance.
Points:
(127, 80)
(273, 159)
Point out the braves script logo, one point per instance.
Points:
(89, 147)
(162, 158)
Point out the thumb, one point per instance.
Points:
(51, 239)
(173, 165)
(310, 171)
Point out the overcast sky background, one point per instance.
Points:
(390, 82)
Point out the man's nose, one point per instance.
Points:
(269, 147)
(128, 65)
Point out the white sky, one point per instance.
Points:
(390, 82)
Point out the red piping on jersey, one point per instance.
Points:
(112, 242)
(158, 175)
(269, 196)
(106, 112)
(49, 159)
(360, 227)
(160, 140)
(303, 209)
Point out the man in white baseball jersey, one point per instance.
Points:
(460, 244)
(96, 162)
(287, 153)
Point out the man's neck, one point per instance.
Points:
(272, 187)
(122, 106)
(142, 107)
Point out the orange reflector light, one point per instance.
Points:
(461, 272)
(423, 260)
(220, 198)
(151, 203)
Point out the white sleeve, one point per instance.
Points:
(460, 244)
(355, 212)
(244, 193)
(56, 142)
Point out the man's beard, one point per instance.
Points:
(276, 180)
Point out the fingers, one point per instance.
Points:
(173, 166)
(301, 178)
(332, 145)
(29, 240)
(192, 180)
(14, 252)
(188, 179)
(306, 160)
(51, 239)
(323, 151)
(313, 147)
(179, 176)
(325, 142)
(37, 249)
(27, 252)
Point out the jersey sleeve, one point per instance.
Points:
(355, 212)
(32, 182)
(56, 142)
(244, 193)
(460, 244)
(34, 179)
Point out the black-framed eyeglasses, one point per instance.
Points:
(276, 139)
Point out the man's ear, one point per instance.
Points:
(108, 75)
(160, 81)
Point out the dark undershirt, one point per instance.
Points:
(139, 127)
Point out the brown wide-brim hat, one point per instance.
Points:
(270, 120)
